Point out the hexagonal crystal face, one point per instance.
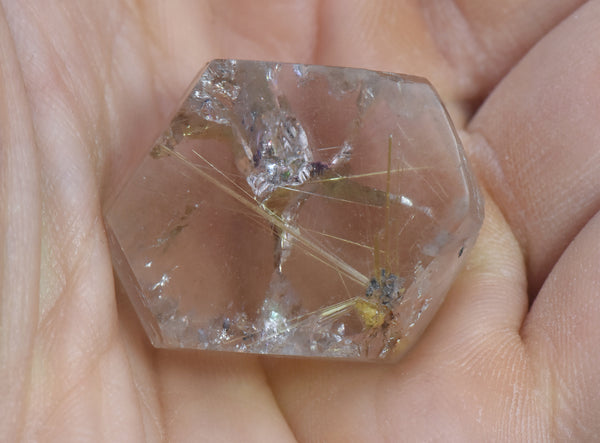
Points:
(296, 210)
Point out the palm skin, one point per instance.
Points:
(512, 355)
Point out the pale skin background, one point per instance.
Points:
(86, 85)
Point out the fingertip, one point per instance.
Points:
(489, 295)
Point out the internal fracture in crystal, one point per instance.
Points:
(296, 210)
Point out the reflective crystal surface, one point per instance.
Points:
(296, 210)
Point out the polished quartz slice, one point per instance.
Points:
(296, 210)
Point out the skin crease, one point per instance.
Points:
(86, 86)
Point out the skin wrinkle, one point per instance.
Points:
(544, 376)
(102, 60)
(274, 398)
(146, 409)
(116, 363)
(68, 261)
(133, 335)
(79, 382)
(495, 376)
(557, 359)
(91, 360)
(20, 237)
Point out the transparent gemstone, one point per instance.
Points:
(296, 210)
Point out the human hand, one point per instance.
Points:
(86, 86)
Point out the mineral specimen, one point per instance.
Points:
(296, 210)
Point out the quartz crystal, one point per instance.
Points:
(296, 210)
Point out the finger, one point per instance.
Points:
(537, 142)
(20, 232)
(218, 397)
(562, 334)
(74, 262)
(78, 366)
(501, 33)
(463, 47)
